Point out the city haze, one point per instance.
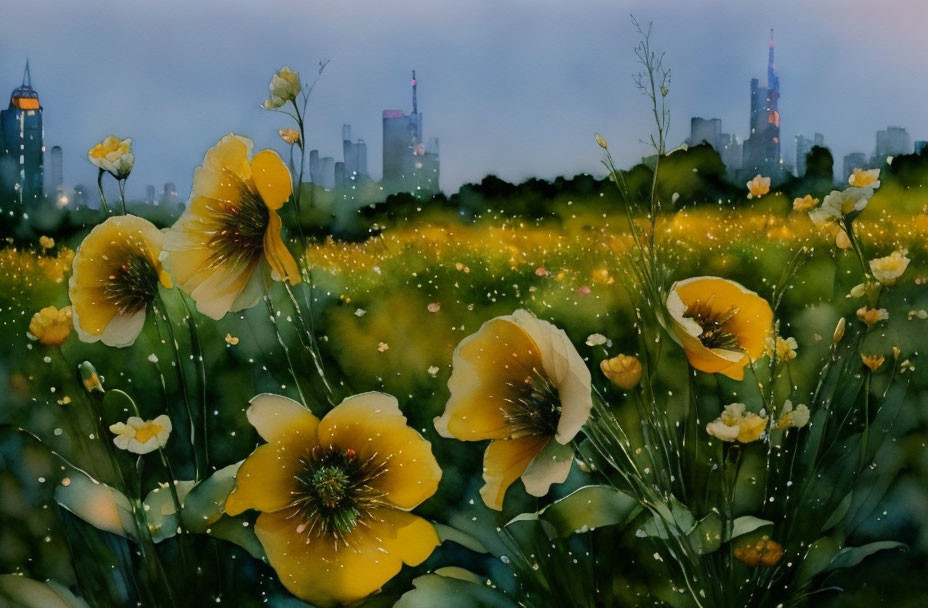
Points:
(516, 89)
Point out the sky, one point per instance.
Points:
(516, 88)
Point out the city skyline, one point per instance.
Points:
(515, 101)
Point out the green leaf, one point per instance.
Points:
(98, 504)
(207, 500)
(746, 524)
(160, 511)
(433, 590)
(837, 516)
(675, 519)
(585, 509)
(849, 557)
(21, 592)
(706, 535)
(816, 559)
(462, 538)
(239, 531)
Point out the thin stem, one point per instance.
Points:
(201, 365)
(122, 194)
(280, 340)
(106, 209)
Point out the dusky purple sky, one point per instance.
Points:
(511, 87)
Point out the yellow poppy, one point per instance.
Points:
(115, 277)
(51, 326)
(519, 382)
(226, 246)
(721, 325)
(114, 156)
(334, 495)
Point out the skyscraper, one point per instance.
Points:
(408, 164)
(354, 154)
(707, 130)
(22, 147)
(854, 160)
(892, 141)
(55, 170)
(762, 148)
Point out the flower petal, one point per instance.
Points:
(231, 153)
(551, 465)
(328, 575)
(277, 254)
(504, 461)
(272, 178)
(274, 416)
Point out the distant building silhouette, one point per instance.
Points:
(22, 147)
(920, 144)
(354, 154)
(409, 163)
(150, 195)
(55, 170)
(892, 141)
(762, 148)
(803, 147)
(707, 130)
(169, 196)
(854, 160)
(80, 196)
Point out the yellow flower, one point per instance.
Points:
(874, 362)
(226, 246)
(601, 141)
(737, 425)
(872, 315)
(46, 242)
(887, 269)
(623, 370)
(113, 156)
(841, 203)
(51, 326)
(765, 553)
(785, 348)
(141, 436)
(231, 340)
(842, 240)
(334, 495)
(290, 136)
(115, 277)
(519, 382)
(721, 325)
(285, 86)
(805, 203)
(758, 186)
(793, 418)
(864, 178)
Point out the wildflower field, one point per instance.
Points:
(389, 312)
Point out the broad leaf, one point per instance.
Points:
(851, 556)
(433, 590)
(206, 501)
(99, 505)
(21, 592)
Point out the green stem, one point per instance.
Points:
(283, 345)
(106, 209)
(198, 356)
(122, 194)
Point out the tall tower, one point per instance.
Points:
(22, 147)
(402, 145)
(762, 149)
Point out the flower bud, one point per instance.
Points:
(839, 331)
(601, 141)
(89, 377)
(623, 370)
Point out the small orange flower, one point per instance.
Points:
(758, 186)
(51, 326)
(290, 136)
(872, 315)
(764, 553)
(805, 203)
(874, 362)
(623, 370)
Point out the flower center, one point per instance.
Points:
(239, 236)
(714, 324)
(534, 406)
(335, 493)
(133, 284)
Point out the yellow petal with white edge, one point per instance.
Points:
(277, 255)
(325, 575)
(372, 425)
(504, 461)
(265, 480)
(551, 465)
(566, 370)
(271, 178)
(484, 367)
(274, 417)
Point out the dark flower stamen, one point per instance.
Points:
(534, 406)
(133, 284)
(714, 324)
(239, 232)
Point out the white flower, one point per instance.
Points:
(887, 269)
(113, 156)
(865, 178)
(793, 418)
(141, 436)
(840, 203)
(285, 86)
(595, 340)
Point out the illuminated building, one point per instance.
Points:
(409, 163)
(22, 148)
(762, 149)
